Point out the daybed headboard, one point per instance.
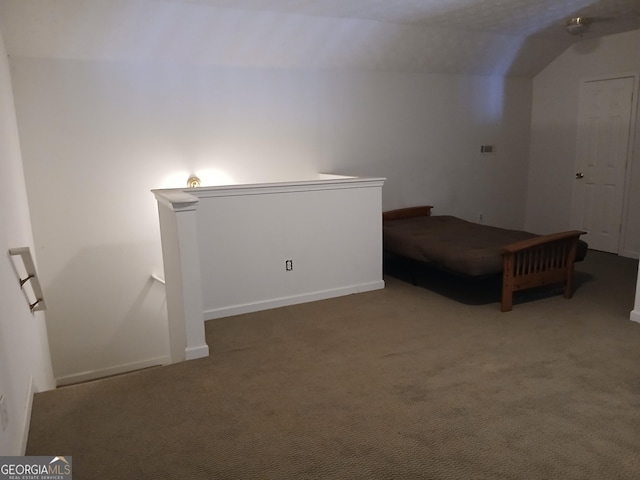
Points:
(422, 211)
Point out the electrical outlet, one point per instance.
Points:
(4, 415)
(288, 265)
(487, 149)
(480, 217)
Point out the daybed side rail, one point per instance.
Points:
(541, 260)
(410, 212)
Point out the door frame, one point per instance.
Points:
(629, 157)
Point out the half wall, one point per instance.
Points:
(235, 249)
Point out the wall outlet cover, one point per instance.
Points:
(487, 149)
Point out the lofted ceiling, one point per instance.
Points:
(521, 18)
(484, 37)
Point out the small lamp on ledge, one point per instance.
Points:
(193, 182)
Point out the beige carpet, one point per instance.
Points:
(402, 383)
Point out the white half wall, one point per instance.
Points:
(236, 249)
(25, 364)
(331, 230)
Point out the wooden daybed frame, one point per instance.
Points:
(537, 261)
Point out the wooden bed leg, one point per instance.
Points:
(568, 286)
(507, 300)
(507, 283)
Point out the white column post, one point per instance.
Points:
(178, 229)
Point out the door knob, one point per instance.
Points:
(579, 175)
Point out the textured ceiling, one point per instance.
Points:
(483, 37)
(508, 17)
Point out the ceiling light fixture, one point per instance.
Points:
(577, 25)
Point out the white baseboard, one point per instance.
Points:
(635, 316)
(292, 300)
(106, 372)
(196, 352)
(26, 424)
(629, 253)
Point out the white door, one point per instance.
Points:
(604, 120)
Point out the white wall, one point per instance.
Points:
(117, 97)
(89, 160)
(98, 136)
(25, 366)
(554, 130)
(423, 133)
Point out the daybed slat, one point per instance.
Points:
(542, 260)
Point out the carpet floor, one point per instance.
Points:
(407, 382)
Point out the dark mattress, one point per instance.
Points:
(454, 244)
